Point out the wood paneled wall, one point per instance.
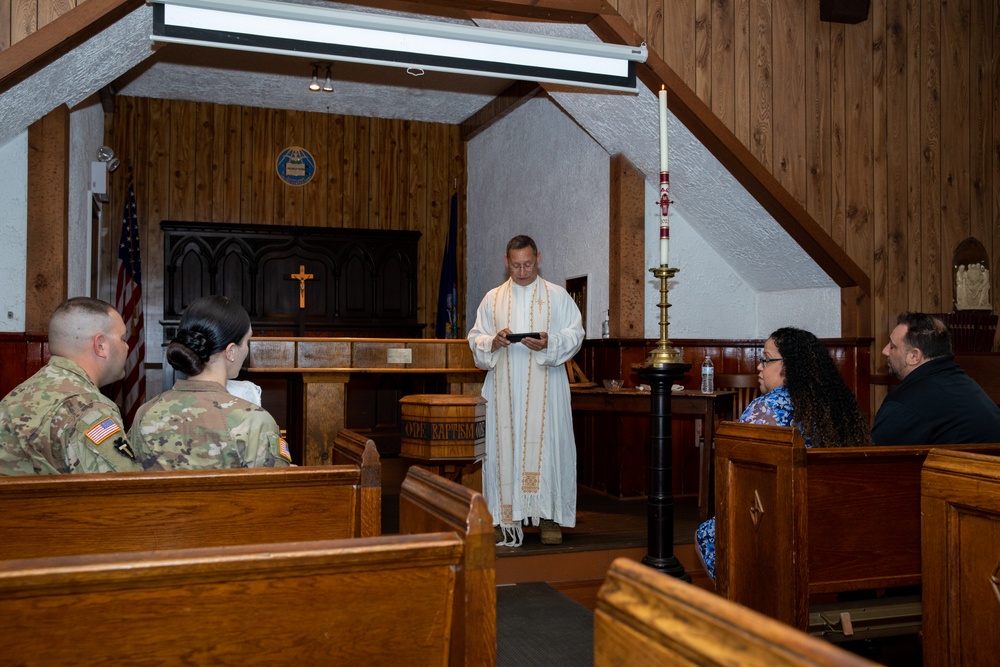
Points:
(20, 18)
(213, 163)
(887, 131)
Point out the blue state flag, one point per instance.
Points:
(447, 312)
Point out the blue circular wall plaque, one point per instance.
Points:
(295, 166)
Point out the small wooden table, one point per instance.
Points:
(634, 402)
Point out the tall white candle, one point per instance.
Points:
(663, 129)
(664, 182)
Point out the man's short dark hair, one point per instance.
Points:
(927, 333)
(522, 241)
(84, 304)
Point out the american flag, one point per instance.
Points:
(100, 432)
(131, 391)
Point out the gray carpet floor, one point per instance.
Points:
(538, 625)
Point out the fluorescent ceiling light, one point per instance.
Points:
(304, 30)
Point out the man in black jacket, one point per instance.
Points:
(936, 402)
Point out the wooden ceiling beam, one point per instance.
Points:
(564, 11)
(738, 160)
(517, 94)
(57, 38)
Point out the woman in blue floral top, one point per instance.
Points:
(801, 387)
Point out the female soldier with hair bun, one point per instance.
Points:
(198, 424)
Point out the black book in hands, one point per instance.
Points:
(516, 337)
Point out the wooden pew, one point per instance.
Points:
(430, 503)
(63, 515)
(960, 507)
(387, 600)
(350, 448)
(792, 522)
(644, 617)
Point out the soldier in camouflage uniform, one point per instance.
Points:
(57, 421)
(198, 424)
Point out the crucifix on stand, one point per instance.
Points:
(302, 277)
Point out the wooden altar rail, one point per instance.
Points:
(323, 367)
(425, 598)
(614, 358)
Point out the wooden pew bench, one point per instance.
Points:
(424, 598)
(644, 617)
(64, 515)
(960, 508)
(795, 524)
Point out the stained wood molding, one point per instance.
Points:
(626, 250)
(48, 217)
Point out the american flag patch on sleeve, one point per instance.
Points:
(100, 432)
(283, 450)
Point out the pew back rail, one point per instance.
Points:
(63, 515)
(387, 600)
(644, 617)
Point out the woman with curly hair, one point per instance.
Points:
(801, 387)
(198, 423)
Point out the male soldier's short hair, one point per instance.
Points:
(521, 241)
(75, 322)
(927, 333)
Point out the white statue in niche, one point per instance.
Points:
(972, 287)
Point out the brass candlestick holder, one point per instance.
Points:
(664, 354)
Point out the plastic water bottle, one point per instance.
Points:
(707, 376)
(606, 327)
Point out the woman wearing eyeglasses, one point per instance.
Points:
(801, 387)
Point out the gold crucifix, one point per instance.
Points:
(302, 277)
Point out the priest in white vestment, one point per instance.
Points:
(529, 474)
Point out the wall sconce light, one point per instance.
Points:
(107, 155)
(314, 85)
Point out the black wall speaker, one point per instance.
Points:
(844, 11)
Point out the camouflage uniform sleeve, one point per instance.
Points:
(143, 453)
(95, 441)
(266, 448)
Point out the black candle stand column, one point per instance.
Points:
(660, 510)
(662, 367)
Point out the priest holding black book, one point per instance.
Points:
(526, 330)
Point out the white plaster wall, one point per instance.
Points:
(816, 310)
(536, 172)
(13, 230)
(708, 299)
(86, 134)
